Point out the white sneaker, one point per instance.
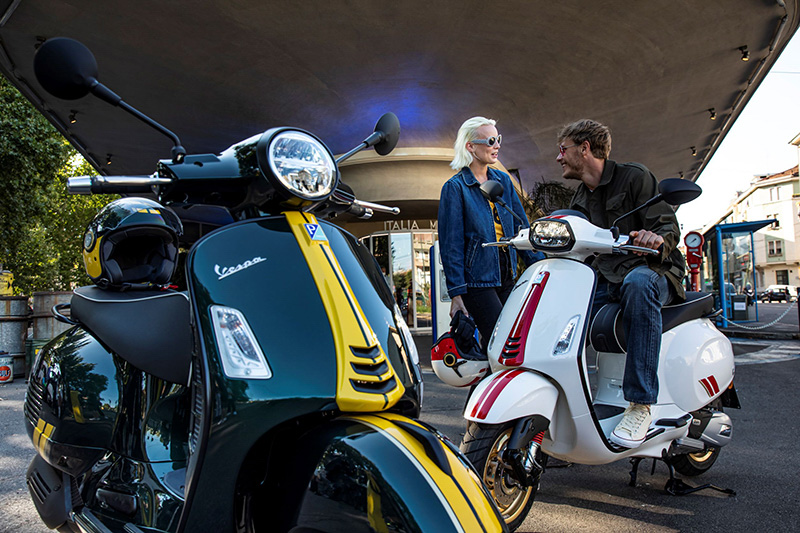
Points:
(632, 429)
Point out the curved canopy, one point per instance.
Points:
(215, 72)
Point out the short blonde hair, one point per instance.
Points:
(466, 133)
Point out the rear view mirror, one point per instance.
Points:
(491, 190)
(676, 191)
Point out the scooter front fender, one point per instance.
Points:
(363, 472)
(509, 395)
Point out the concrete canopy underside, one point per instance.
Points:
(216, 72)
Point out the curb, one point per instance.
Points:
(765, 335)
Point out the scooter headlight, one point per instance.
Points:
(302, 165)
(238, 349)
(551, 235)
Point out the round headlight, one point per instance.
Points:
(302, 164)
(552, 235)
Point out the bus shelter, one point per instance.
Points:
(733, 269)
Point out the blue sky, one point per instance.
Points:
(757, 144)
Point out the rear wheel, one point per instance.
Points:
(484, 445)
(694, 464)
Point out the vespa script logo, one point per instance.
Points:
(224, 272)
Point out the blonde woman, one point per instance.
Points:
(479, 279)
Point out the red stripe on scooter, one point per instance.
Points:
(487, 401)
(707, 386)
(713, 382)
(516, 355)
(485, 392)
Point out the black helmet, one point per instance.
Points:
(132, 241)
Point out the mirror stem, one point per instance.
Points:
(652, 201)
(521, 223)
(352, 152)
(178, 151)
(106, 94)
(374, 138)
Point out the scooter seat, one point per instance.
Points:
(149, 329)
(608, 335)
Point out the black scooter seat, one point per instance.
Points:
(150, 329)
(608, 335)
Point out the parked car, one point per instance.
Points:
(778, 293)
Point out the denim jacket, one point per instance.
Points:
(466, 222)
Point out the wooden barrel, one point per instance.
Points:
(45, 325)
(14, 317)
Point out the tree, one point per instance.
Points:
(41, 227)
(546, 197)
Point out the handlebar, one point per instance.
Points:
(114, 184)
(364, 210)
(641, 249)
(377, 207)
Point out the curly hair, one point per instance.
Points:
(598, 135)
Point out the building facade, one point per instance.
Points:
(775, 249)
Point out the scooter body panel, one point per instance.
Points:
(511, 394)
(73, 401)
(696, 365)
(564, 291)
(286, 310)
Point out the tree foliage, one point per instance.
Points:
(546, 197)
(41, 227)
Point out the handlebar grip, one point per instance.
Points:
(360, 211)
(114, 184)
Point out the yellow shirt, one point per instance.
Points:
(498, 227)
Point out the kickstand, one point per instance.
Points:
(634, 470)
(677, 487)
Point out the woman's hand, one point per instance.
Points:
(456, 305)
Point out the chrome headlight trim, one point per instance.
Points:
(302, 164)
(551, 235)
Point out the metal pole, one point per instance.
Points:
(722, 299)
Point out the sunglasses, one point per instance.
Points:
(563, 149)
(490, 141)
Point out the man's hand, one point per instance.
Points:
(456, 305)
(645, 239)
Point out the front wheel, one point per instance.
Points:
(484, 444)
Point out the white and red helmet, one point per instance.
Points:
(456, 367)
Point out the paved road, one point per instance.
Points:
(761, 464)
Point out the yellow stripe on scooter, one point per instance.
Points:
(463, 490)
(349, 325)
(41, 434)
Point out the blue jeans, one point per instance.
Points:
(641, 295)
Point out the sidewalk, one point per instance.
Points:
(776, 321)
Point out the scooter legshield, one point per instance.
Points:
(509, 395)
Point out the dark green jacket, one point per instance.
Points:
(624, 186)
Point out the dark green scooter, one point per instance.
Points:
(273, 386)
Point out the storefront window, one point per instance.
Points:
(422, 279)
(402, 275)
(404, 257)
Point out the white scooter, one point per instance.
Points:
(538, 400)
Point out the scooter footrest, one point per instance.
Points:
(674, 422)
